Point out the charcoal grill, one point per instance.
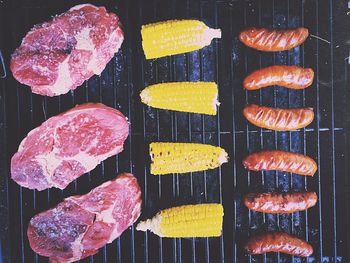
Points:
(226, 61)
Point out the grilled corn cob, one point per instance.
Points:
(196, 97)
(170, 157)
(201, 220)
(175, 37)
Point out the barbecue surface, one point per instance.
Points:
(226, 62)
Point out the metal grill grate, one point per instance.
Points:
(225, 61)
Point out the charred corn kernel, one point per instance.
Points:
(168, 157)
(201, 220)
(175, 37)
(196, 97)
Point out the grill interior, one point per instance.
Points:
(227, 62)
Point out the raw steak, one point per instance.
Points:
(60, 55)
(68, 145)
(80, 225)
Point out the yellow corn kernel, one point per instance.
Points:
(175, 37)
(201, 220)
(196, 97)
(168, 157)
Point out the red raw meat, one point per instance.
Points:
(60, 55)
(80, 225)
(68, 145)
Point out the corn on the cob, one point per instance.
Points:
(175, 37)
(201, 220)
(196, 97)
(170, 157)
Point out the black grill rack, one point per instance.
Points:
(225, 61)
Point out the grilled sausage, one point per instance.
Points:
(273, 40)
(278, 119)
(291, 77)
(281, 161)
(280, 203)
(278, 242)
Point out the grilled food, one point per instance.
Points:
(168, 157)
(291, 77)
(278, 119)
(77, 227)
(273, 40)
(68, 145)
(58, 56)
(281, 161)
(276, 203)
(175, 37)
(278, 242)
(195, 97)
(201, 220)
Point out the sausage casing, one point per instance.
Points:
(292, 77)
(281, 161)
(273, 40)
(278, 242)
(278, 119)
(280, 203)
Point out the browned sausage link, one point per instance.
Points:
(278, 242)
(280, 203)
(281, 161)
(292, 77)
(273, 40)
(278, 119)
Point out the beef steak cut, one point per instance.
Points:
(68, 145)
(60, 55)
(80, 225)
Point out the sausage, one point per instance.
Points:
(278, 119)
(278, 242)
(280, 203)
(291, 77)
(281, 161)
(273, 40)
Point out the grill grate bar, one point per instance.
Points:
(306, 185)
(100, 99)
(203, 140)
(250, 258)
(173, 119)
(234, 222)
(155, 66)
(32, 122)
(189, 123)
(114, 79)
(261, 130)
(318, 136)
(216, 77)
(247, 131)
(174, 132)
(2, 63)
(145, 176)
(347, 182)
(130, 117)
(193, 243)
(197, 132)
(306, 220)
(333, 139)
(20, 189)
(262, 145)
(161, 243)
(291, 61)
(4, 181)
(278, 256)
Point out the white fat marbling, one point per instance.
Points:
(63, 82)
